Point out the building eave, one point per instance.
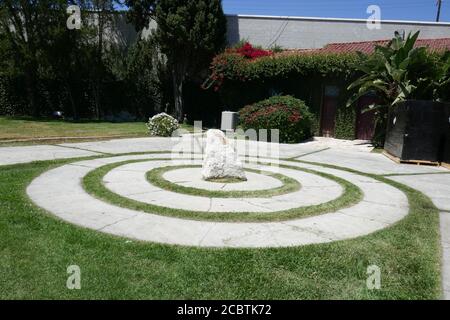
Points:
(428, 23)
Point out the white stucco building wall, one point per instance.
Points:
(304, 32)
(307, 33)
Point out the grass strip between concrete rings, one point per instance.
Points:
(155, 177)
(38, 247)
(93, 184)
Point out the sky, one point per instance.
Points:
(416, 10)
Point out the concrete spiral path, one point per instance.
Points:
(129, 181)
(192, 177)
(60, 192)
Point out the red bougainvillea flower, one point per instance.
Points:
(249, 52)
(230, 62)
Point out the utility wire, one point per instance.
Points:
(278, 34)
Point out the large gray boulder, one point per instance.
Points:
(220, 158)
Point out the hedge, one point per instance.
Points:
(231, 66)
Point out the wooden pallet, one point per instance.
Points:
(416, 162)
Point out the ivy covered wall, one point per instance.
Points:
(241, 82)
(345, 123)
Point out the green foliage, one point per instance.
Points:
(146, 77)
(441, 83)
(28, 39)
(345, 123)
(80, 72)
(397, 72)
(230, 66)
(189, 33)
(276, 48)
(54, 67)
(285, 113)
(10, 101)
(198, 27)
(299, 75)
(140, 12)
(380, 130)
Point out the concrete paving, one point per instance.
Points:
(367, 162)
(137, 145)
(196, 143)
(192, 177)
(130, 181)
(186, 144)
(354, 154)
(70, 202)
(435, 186)
(14, 155)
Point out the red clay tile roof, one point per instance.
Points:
(369, 46)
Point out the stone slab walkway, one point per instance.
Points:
(435, 186)
(375, 163)
(130, 181)
(192, 177)
(14, 155)
(345, 153)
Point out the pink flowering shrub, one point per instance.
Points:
(285, 113)
(231, 62)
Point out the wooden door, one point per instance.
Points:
(365, 121)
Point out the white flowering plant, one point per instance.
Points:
(162, 125)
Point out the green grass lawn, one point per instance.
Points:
(36, 249)
(29, 128)
(23, 128)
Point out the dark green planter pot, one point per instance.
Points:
(419, 130)
(446, 153)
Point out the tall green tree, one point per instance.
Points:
(146, 78)
(140, 12)
(27, 25)
(103, 15)
(58, 66)
(189, 33)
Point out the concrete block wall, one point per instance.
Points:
(308, 33)
(303, 32)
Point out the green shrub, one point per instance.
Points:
(162, 125)
(285, 113)
(345, 123)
